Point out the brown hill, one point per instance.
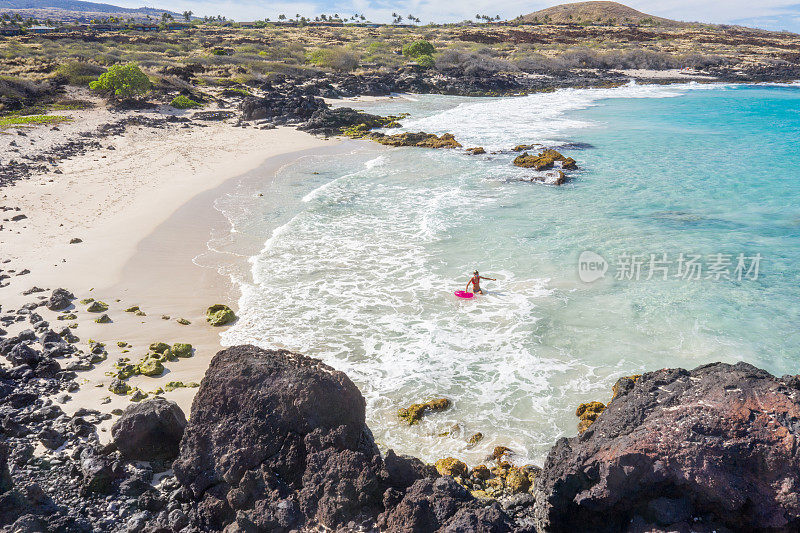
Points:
(596, 12)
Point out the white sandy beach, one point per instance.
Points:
(142, 215)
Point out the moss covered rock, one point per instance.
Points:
(97, 307)
(138, 395)
(172, 385)
(150, 367)
(588, 413)
(125, 370)
(517, 481)
(119, 387)
(525, 147)
(103, 319)
(450, 466)
(182, 349)
(475, 439)
(67, 316)
(220, 315)
(413, 413)
(544, 161)
(159, 347)
(481, 472)
(478, 150)
(420, 140)
(132, 309)
(183, 322)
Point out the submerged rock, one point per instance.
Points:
(478, 150)
(150, 430)
(420, 140)
(544, 161)
(413, 413)
(679, 450)
(220, 315)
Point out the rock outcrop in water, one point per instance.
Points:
(420, 140)
(544, 161)
(714, 448)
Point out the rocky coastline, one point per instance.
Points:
(277, 441)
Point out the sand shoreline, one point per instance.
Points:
(144, 210)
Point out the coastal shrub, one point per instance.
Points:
(123, 82)
(79, 73)
(17, 93)
(472, 63)
(184, 102)
(418, 48)
(335, 58)
(426, 61)
(614, 59)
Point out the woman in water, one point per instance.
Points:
(475, 281)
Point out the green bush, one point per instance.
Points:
(426, 61)
(123, 82)
(184, 102)
(418, 48)
(79, 73)
(335, 58)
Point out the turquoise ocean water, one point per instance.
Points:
(359, 263)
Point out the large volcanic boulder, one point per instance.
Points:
(150, 430)
(711, 448)
(60, 299)
(277, 440)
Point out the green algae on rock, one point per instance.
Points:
(150, 367)
(450, 466)
(220, 315)
(172, 385)
(119, 387)
(475, 439)
(103, 319)
(138, 395)
(182, 349)
(159, 347)
(183, 322)
(544, 161)
(97, 307)
(419, 140)
(588, 413)
(132, 309)
(413, 413)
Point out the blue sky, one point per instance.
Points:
(768, 14)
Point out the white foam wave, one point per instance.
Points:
(498, 124)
